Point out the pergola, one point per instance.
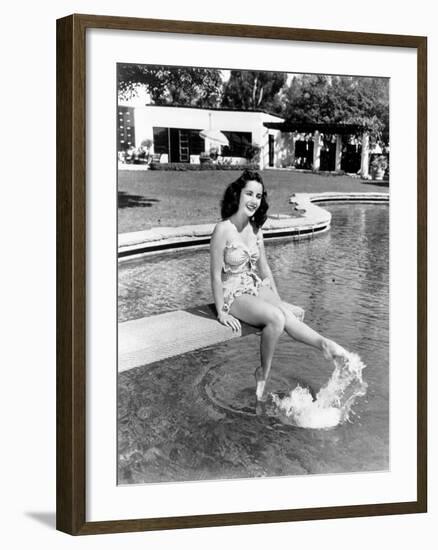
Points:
(337, 129)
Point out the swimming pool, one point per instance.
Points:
(189, 417)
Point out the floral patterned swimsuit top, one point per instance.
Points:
(239, 271)
(238, 258)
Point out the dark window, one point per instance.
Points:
(196, 142)
(327, 157)
(179, 138)
(271, 149)
(161, 141)
(239, 142)
(304, 154)
(174, 153)
(183, 143)
(351, 158)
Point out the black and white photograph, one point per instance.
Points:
(253, 273)
(219, 218)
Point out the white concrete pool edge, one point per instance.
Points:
(313, 220)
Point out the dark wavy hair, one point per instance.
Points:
(231, 198)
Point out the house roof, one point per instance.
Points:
(216, 109)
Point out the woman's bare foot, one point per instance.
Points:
(260, 408)
(331, 349)
(260, 384)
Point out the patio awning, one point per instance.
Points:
(325, 128)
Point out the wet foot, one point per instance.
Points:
(331, 349)
(260, 384)
(260, 408)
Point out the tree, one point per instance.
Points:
(184, 86)
(251, 90)
(339, 99)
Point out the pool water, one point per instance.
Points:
(193, 417)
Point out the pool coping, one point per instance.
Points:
(313, 220)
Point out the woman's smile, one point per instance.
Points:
(252, 207)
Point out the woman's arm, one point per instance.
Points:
(217, 245)
(263, 266)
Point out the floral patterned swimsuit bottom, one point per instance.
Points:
(239, 272)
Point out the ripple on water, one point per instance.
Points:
(234, 390)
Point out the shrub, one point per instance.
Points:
(379, 163)
(186, 167)
(252, 152)
(147, 143)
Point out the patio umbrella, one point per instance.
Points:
(216, 136)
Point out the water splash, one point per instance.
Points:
(333, 403)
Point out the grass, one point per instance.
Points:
(152, 198)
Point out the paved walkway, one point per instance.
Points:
(305, 219)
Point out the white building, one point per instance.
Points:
(173, 134)
(174, 131)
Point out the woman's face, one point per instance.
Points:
(250, 197)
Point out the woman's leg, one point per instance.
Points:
(299, 330)
(258, 312)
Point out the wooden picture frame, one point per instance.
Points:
(71, 273)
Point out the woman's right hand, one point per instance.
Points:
(229, 321)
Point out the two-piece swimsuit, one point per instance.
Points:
(239, 271)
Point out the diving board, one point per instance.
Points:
(151, 339)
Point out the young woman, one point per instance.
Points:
(243, 286)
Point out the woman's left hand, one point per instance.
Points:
(229, 321)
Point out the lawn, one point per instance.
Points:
(153, 198)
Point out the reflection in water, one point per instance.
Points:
(193, 417)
